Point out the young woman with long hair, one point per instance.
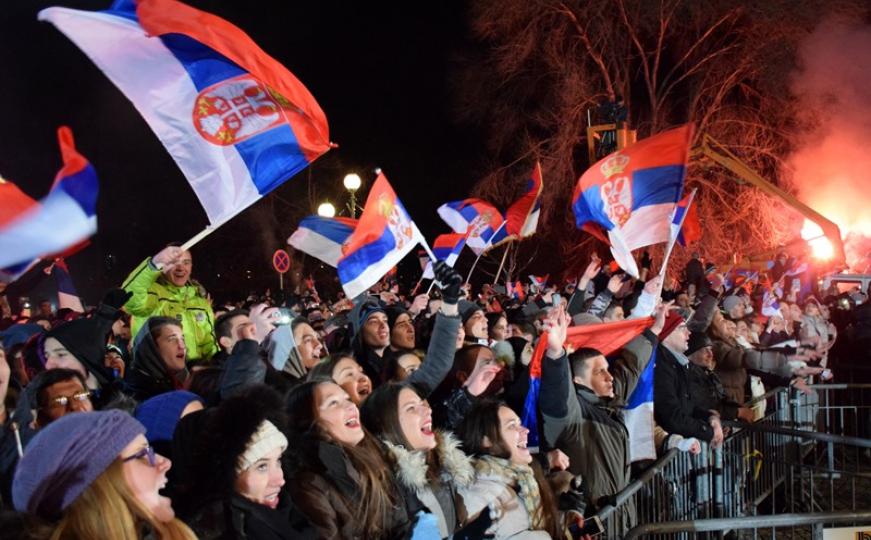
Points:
(104, 480)
(339, 477)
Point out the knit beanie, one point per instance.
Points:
(730, 302)
(161, 413)
(266, 439)
(86, 340)
(467, 309)
(363, 311)
(393, 313)
(67, 456)
(671, 323)
(698, 340)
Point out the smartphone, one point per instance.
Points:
(592, 526)
(556, 299)
(285, 315)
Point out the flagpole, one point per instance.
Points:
(671, 241)
(504, 256)
(200, 235)
(484, 249)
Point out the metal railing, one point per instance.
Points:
(807, 454)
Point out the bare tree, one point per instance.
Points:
(545, 65)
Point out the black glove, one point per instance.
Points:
(645, 260)
(450, 281)
(477, 528)
(116, 298)
(575, 498)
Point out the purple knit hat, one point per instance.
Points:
(161, 413)
(66, 457)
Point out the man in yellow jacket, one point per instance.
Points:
(162, 286)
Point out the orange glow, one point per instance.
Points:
(821, 247)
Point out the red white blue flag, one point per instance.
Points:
(521, 219)
(63, 218)
(446, 247)
(323, 237)
(479, 220)
(631, 193)
(67, 296)
(237, 122)
(384, 235)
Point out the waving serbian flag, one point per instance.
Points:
(631, 194)
(540, 282)
(479, 220)
(686, 214)
(678, 223)
(605, 338)
(64, 218)
(446, 247)
(322, 237)
(237, 122)
(638, 416)
(521, 219)
(384, 235)
(67, 297)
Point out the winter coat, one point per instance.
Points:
(325, 487)
(243, 367)
(674, 408)
(147, 375)
(439, 355)
(237, 518)
(440, 496)
(731, 364)
(153, 295)
(589, 429)
(707, 392)
(514, 522)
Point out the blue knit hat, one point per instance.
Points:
(161, 413)
(65, 457)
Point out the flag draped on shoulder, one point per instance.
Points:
(62, 219)
(322, 237)
(384, 235)
(446, 247)
(480, 221)
(236, 121)
(631, 193)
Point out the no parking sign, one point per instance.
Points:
(281, 263)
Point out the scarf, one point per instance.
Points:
(519, 477)
(679, 356)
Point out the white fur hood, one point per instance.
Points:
(456, 466)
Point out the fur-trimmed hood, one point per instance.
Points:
(456, 466)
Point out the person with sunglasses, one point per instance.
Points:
(93, 475)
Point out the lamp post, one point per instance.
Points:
(326, 210)
(352, 184)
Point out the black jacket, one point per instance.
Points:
(707, 392)
(237, 518)
(673, 406)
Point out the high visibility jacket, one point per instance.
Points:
(154, 295)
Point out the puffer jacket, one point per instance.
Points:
(154, 296)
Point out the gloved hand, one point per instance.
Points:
(426, 527)
(450, 281)
(476, 528)
(116, 298)
(575, 499)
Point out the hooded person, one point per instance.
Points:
(81, 344)
(236, 472)
(294, 349)
(371, 336)
(474, 322)
(159, 355)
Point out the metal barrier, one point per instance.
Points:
(807, 454)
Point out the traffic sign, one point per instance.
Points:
(281, 261)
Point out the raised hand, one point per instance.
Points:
(451, 282)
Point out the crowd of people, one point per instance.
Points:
(160, 415)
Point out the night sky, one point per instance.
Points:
(382, 74)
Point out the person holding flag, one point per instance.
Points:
(581, 398)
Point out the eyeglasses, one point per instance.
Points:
(147, 452)
(65, 401)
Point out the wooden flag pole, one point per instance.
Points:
(504, 256)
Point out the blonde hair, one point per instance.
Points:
(108, 510)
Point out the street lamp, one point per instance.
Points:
(326, 210)
(352, 184)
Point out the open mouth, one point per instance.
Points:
(522, 444)
(426, 429)
(364, 390)
(271, 500)
(352, 422)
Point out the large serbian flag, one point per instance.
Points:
(446, 247)
(631, 194)
(236, 121)
(62, 219)
(479, 220)
(521, 219)
(384, 235)
(322, 237)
